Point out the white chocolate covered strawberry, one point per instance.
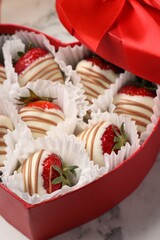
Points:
(96, 76)
(44, 172)
(102, 138)
(137, 102)
(40, 114)
(35, 64)
(5, 124)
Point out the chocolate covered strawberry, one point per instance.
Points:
(37, 63)
(102, 138)
(5, 125)
(44, 172)
(96, 76)
(2, 74)
(136, 99)
(40, 113)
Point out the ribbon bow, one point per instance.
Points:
(125, 32)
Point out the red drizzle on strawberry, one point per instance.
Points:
(28, 58)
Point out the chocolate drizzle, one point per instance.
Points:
(30, 171)
(3, 131)
(40, 120)
(89, 136)
(43, 68)
(2, 75)
(94, 82)
(141, 113)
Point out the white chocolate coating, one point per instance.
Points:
(40, 120)
(92, 138)
(2, 75)
(5, 124)
(32, 170)
(94, 79)
(140, 108)
(43, 68)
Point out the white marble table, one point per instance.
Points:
(138, 216)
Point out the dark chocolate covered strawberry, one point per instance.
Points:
(40, 113)
(96, 76)
(136, 99)
(37, 63)
(44, 172)
(102, 138)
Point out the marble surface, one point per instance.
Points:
(138, 216)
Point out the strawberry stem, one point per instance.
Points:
(21, 54)
(120, 138)
(32, 98)
(66, 175)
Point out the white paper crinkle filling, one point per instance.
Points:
(12, 137)
(8, 109)
(72, 152)
(104, 102)
(16, 141)
(38, 40)
(69, 56)
(3, 39)
(10, 50)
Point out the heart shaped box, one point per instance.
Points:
(55, 216)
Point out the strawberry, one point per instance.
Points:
(28, 58)
(134, 90)
(40, 113)
(136, 99)
(43, 104)
(37, 63)
(101, 138)
(96, 80)
(140, 87)
(103, 64)
(55, 175)
(45, 172)
(113, 139)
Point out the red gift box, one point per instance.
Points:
(55, 216)
(113, 29)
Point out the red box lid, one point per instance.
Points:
(124, 32)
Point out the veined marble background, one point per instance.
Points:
(138, 216)
(38, 14)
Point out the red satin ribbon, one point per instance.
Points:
(125, 32)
